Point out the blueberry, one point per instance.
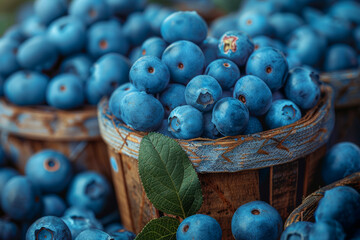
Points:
(93, 234)
(262, 41)
(154, 46)
(186, 122)
(340, 57)
(282, 113)
(89, 190)
(117, 95)
(37, 53)
(47, 11)
(335, 30)
(149, 74)
(65, 91)
(254, 126)
(210, 130)
(114, 227)
(202, 92)
(124, 7)
(109, 72)
(54, 205)
(255, 23)
(26, 88)
(230, 116)
(185, 60)
(346, 10)
(5, 175)
(199, 227)
(89, 11)
(302, 87)
(236, 46)
(77, 224)
(137, 29)
(256, 220)
(224, 71)
(297, 231)
(184, 26)
(284, 24)
(135, 54)
(149, 118)
(341, 204)
(21, 199)
(106, 37)
(311, 14)
(155, 16)
(8, 230)
(329, 230)
(8, 59)
(14, 33)
(32, 27)
(49, 170)
(342, 160)
(254, 93)
(267, 8)
(293, 61)
(357, 38)
(122, 235)
(78, 65)
(79, 212)
(270, 65)
(223, 24)
(210, 49)
(48, 227)
(68, 34)
(172, 97)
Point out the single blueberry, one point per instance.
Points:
(78, 65)
(32, 27)
(5, 175)
(224, 71)
(83, 213)
(200, 227)
(48, 227)
(284, 24)
(172, 97)
(329, 230)
(223, 24)
(137, 29)
(89, 11)
(297, 231)
(117, 95)
(282, 113)
(210, 49)
(262, 41)
(346, 10)
(9, 230)
(155, 15)
(254, 126)
(47, 11)
(340, 57)
(153, 46)
(255, 23)
(8, 56)
(54, 205)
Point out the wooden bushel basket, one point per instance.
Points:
(27, 130)
(305, 212)
(278, 166)
(346, 85)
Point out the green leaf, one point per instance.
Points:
(163, 228)
(168, 177)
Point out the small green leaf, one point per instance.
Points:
(163, 228)
(168, 177)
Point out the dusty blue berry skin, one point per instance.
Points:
(123, 235)
(66, 91)
(186, 122)
(270, 65)
(137, 29)
(108, 73)
(298, 230)
(89, 190)
(89, 11)
(307, 44)
(124, 7)
(210, 49)
(254, 126)
(236, 46)
(49, 170)
(199, 227)
(342, 160)
(37, 53)
(32, 27)
(256, 220)
(329, 230)
(141, 111)
(202, 92)
(93, 234)
(346, 10)
(265, 7)
(54, 205)
(224, 71)
(302, 87)
(26, 88)
(154, 46)
(210, 130)
(172, 97)
(80, 212)
(135, 54)
(106, 37)
(185, 60)
(184, 26)
(48, 227)
(254, 23)
(5, 175)
(254, 93)
(8, 59)
(293, 61)
(155, 15)
(117, 95)
(340, 204)
(21, 199)
(230, 116)
(78, 65)
(149, 74)
(340, 57)
(15, 33)
(284, 24)
(77, 224)
(48, 11)
(262, 41)
(68, 34)
(9, 230)
(282, 113)
(223, 24)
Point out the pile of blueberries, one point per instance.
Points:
(321, 34)
(66, 204)
(208, 87)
